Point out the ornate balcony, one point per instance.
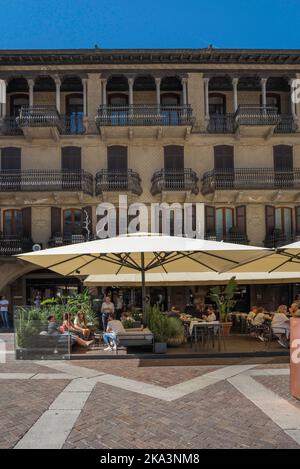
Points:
(9, 126)
(39, 180)
(118, 181)
(250, 178)
(64, 239)
(252, 117)
(146, 119)
(166, 180)
(39, 121)
(72, 125)
(11, 245)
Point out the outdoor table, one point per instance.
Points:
(202, 324)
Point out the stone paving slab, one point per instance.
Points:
(22, 402)
(280, 385)
(215, 417)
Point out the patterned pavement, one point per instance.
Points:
(129, 404)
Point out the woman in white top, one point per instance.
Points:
(281, 325)
(80, 324)
(210, 316)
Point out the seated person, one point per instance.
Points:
(259, 319)
(210, 315)
(110, 336)
(68, 325)
(251, 315)
(80, 325)
(53, 329)
(294, 310)
(281, 325)
(199, 311)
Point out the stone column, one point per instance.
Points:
(84, 89)
(3, 86)
(263, 83)
(206, 97)
(294, 97)
(235, 82)
(184, 91)
(30, 82)
(104, 98)
(157, 85)
(57, 93)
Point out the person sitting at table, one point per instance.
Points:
(294, 310)
(68, 325)
(80, 325)
(210, 315)
(251, 315)
(260, 317)
(281, 326)
(199, 311)
(110, 336)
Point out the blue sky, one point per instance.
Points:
(43, 24)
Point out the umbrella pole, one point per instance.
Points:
(143, 287)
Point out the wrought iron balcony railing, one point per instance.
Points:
(115, 181)
(278, 239)
(41, 180)
(9, 126)
(250, 178)
(38, 116)
(249, 115)
(11, 245)
(72, 124)
(230, 237)
(144, 115)
(63, 239)
(174, 180)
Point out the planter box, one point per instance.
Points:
(160, 347)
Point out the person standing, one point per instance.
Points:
(107, 308)
(4, 303)
(119, 306)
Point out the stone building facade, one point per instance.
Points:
(209, 126)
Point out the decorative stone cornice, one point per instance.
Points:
(149, 56)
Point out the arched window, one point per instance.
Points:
(174, 157)
(217, 104)
(72, 221)
(117, 158)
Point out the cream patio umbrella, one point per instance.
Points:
(143, 252)
(284, 260)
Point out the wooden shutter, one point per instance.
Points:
(283, 157)
(224, 157)
(270, 219)
(55, 221)
(174, 157)
(11, 158)
(297, 219)
(241, 219)
(71, 158)
(87, 227)
(210, 220)
(117, 158)
(26, 222)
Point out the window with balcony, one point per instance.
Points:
(71, 225)
(226, 223)
(74, 113)
(117, 158)
(12, 222)
(279, 226)
(10, 176)
(224, 166)
(217, 104)
(72, 222)
(17, 101)
(283, 165)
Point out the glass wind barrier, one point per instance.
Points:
(38, 337)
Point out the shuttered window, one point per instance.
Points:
(224, 157)
(174, 157)
(11, 158)
(71, 158)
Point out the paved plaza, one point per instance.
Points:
(128, 403)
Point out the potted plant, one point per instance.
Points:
(176, 332)
(158, 325)
(223, 297)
